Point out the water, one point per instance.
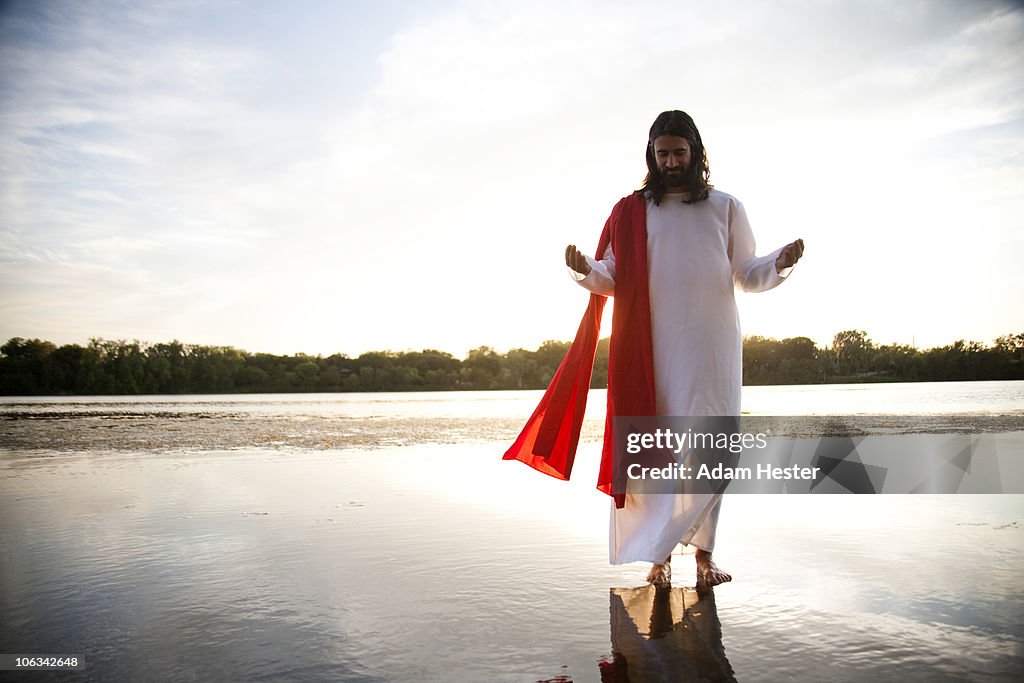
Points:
(251, 538)
(327, 421)
(917, 398)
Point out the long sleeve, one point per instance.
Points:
(751, 273)
(601, 279)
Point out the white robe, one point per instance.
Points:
(696, 254)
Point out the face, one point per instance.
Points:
(672, 154)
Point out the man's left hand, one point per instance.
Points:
(789, 255)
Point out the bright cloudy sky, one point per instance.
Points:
(326, 177)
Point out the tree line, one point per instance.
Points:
(35, 367)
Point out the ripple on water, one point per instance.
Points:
(347, 564)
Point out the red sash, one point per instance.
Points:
(549, 439)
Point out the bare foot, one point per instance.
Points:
(661, 574)
(708, 573)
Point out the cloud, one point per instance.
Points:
(252, 197)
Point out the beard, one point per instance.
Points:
(674, 178)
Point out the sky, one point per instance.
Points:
(339, 177)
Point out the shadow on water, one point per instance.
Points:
(664, 634)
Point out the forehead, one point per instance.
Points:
(671, 143)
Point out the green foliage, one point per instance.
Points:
(853, 357)
(790, 361)
(36, 367)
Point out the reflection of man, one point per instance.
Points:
(665, 634)
(671, 254)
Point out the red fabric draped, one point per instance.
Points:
(548, 441)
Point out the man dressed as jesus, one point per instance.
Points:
(671, 254)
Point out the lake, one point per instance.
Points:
(379, 537)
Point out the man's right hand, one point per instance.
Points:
(575, 259)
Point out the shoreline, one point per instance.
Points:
(144, 430)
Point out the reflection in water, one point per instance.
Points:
(665, 634)
(433, 562)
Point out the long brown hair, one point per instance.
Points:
(697, 176)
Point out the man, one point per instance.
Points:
(671, 253)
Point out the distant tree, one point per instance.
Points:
(759, 359)
(1010, 348)
(798, 361)
(481, 369)
(329, 379)
(548, 357)
(307, 372)
(600, 376)
(853, 351)
(252, 379)
(770, 361)
(24, 361)
(33, 366)
(432, 370)
(519, 370)
(898, 361)
(67, 363)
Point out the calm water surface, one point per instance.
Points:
(319, 421)
(379, 538)
(916, 398)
